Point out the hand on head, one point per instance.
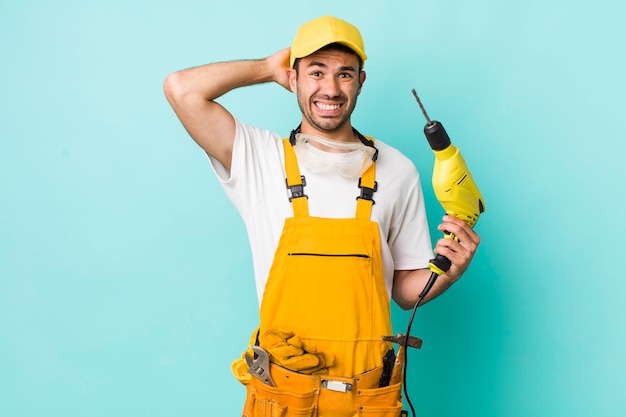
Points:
(278, 63)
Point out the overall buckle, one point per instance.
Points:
(367, 193)
(297, 190)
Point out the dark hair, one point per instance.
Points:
(334, 47)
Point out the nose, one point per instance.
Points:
(330, 87)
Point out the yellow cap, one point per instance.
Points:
(323, 31)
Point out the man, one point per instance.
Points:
(326, 265)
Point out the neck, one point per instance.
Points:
(344, 134)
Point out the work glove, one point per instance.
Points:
(291, 352)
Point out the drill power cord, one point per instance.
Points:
(420, 299)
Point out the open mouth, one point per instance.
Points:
(327, 107)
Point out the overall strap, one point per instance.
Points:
(295, 182)
(368, 187)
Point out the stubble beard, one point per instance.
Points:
(327, 125)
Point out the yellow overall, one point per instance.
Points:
(324, 310)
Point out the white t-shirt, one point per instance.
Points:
(256, 186)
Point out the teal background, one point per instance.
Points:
(125, 279)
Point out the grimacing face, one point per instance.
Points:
(327, 84)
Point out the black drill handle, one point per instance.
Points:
(441, 262)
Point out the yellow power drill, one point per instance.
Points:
(453, 185)
(456, 191)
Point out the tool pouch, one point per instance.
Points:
(263, 400)
(380, 402)
(300, 395)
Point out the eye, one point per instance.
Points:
(345, 75)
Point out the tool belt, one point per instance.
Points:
(299, 395)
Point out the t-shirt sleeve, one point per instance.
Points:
(409, 237)
(249, 163)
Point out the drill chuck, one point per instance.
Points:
(436, 136)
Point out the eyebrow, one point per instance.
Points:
(322, 65)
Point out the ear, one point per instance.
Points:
(292, 80)
(362, 77)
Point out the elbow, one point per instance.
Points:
(405, 305)
(409, 304)
(174, 87)
(402, 302)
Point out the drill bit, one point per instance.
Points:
(428, 122)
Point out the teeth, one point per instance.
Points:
(323, 106)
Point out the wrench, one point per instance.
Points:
(259, 366)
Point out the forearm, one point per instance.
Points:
(214, 80)
(408, 285)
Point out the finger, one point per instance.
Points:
(458, 263)
(459, 253)
(461, 229)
